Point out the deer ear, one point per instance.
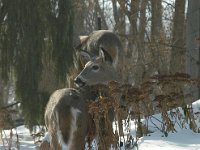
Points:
(83, 38)
(84, 57)
(103, 54)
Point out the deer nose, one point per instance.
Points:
(79, 82)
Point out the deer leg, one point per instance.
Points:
(54, 145)
(78, 130)
(65, 119)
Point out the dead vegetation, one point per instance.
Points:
(7, 123)
(130, 102)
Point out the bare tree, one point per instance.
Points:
(119, 17)
(192, 42)
(177, 63)
(79, 20)
(142, 20)
(4, 93)
(100, 13)
(156, 26)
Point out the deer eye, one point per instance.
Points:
(95, 67)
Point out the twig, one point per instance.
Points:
(155, 124)
(5, 107)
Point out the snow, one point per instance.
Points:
(25, 139)
(183, 139)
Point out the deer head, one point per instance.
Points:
(97, 69)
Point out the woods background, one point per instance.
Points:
(37, 40)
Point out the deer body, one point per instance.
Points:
(67, 119)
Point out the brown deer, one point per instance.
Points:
(100, 70)
(97, 70)
(89, 48)
(66, 115)
(68, 120)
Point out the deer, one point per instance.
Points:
(101, 53)
(97, 71)
(67, 120)
(66, 115)
(101, 69)
(104, 40)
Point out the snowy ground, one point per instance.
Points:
(25, 139)
(183, 139)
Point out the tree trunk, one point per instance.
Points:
(193, 43)
(140, 41)
(142, 21)
(177, 62)
(100, 12)
(156, 26)
(79, 18)
(134, 16)
(119, 18)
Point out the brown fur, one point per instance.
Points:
(59, 105)
(92, 43)
(105, 39)
(44, 145)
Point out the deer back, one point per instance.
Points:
(66, 119)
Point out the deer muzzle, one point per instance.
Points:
(79, 82)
